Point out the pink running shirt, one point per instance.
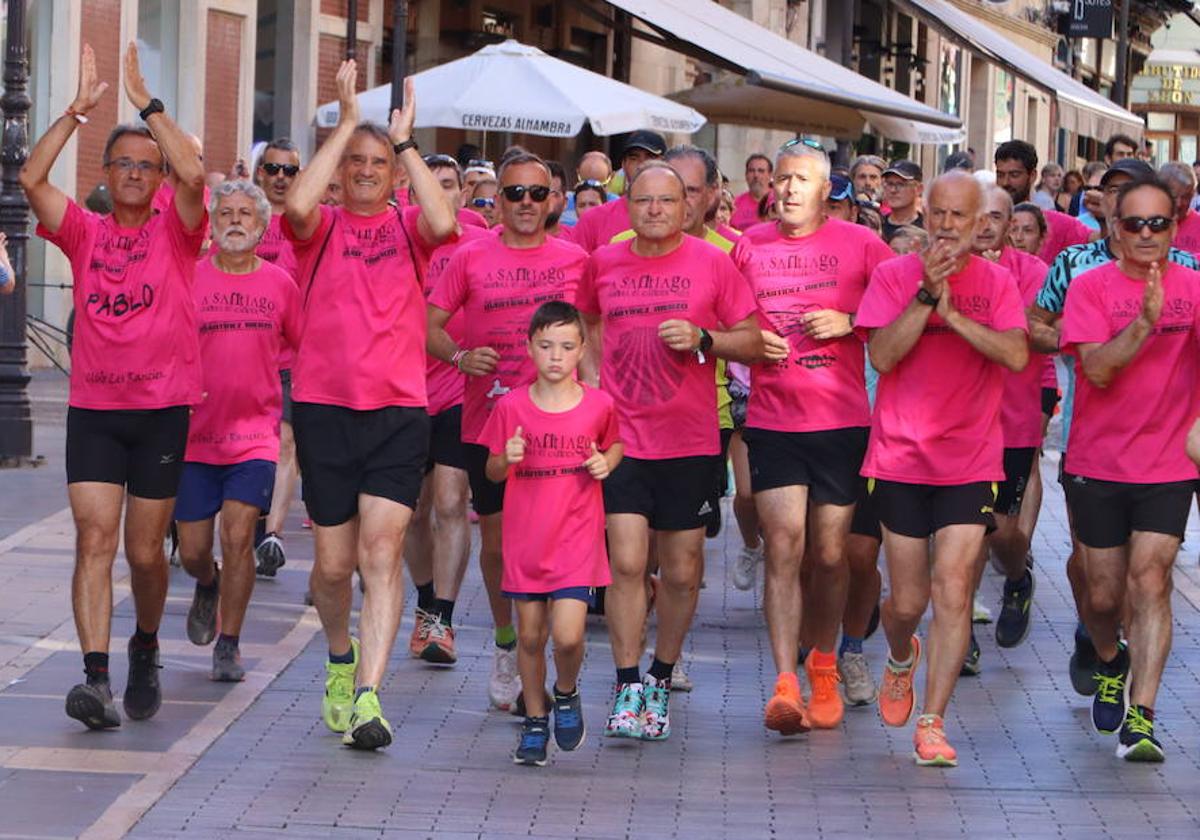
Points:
(553, 508)
(1135, 430)
(363, 342)
(820, 385)
(666, 399)
(1187, 235)
(745, 211)
(1062, 231)
(275, 247)
(498, 289)
(245, 319)
(135, 344)
(937, 413)
(599, 225)
(443, 380)
(1021, 408)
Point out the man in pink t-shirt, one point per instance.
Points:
(135, 370)
(1132, 326)
(362, 432)
(806, 423)
(942, 327)
(1016, 172)
(669, 305)
(758, 184)
(1181, 178)
(601, 224)
(498, 282)
(248, 311)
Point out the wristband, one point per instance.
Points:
(457, 358)
(154, 106)
(78, 117)
(400, 148)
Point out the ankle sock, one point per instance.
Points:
(444, 609)
(226, 641)
(346, 658)
(850, 644)
(506, 637)
(628, 675)
(660, 670)
(425, 596)
(564, 695)
(900, 666)
(95, 665)
(144, 640)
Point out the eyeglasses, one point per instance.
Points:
(288, 169)
(804, 141)
(483, 202)
(516, 192)
(1134, 224)
(897, 185)
(440, 160)
(144, 167)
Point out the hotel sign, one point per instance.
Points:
(1175, 85)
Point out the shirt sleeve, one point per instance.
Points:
(735, 301)
(1054, 289)
(185, 244)
(1085, 320)
(609, 427)
(495, 430)
(74, 231)
(587, 298)
(883, 301)
(302, 247)
(450, 290)
(574, 271)
(292, 322)
(1076, 233)
(1009, 312)
(408, 218)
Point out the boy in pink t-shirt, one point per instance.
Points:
(552, 442)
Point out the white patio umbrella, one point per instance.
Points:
(518, 88)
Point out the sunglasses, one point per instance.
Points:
(483, 202)
(804, 141)
(516, 192)
(591, 182)
(1134, 224)
(288, 169)
(480, 163)
(440, 160)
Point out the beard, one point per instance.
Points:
(552, 220)
(230, 245)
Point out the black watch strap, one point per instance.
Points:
(923, 296)
(154, 106)
(706, 341)
(400, 148)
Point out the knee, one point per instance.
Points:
(953, 594)
(827, 559)
(450, 503)
(568, 645)
(96, 546)
(681, 577)
(1104, 596)
(531, 638)
(236, 543)
(906, 607)
(1151, 583)
(331, 575)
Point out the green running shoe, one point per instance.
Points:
(1137, 741)
(338, 703)
(369, 729)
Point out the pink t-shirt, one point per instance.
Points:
(1187, 235)
(729, 233)
(164, 197)
(1135, 430)
(499, 288)
(275, 247)
(820, 385)
(937, 413)
(1062, 231)
(666, 399)
(1021, 408)
(135, 344)
(553, 508)
(443, 380)
(745, 211)
(245, 319)
(599, 225)
(363, 344)
(467, 216)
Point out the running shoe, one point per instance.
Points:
(980, 614)
(656, 720)
(439, 642)
(306, 524)
(1083, 663)
(143, 696)
(337, 706)
(227, 664)
(569, 726)
(930, 747)
(1136, 741)
(518, 708)
(171, 545)
(971, 666)
(628, 711)
(202, 617)
(1110, 705)
(420, 632)
(857, 682)
(1015, 611)
(92, 705)
(268, 556)
(785, 712)
(745, 567)
(825, 707)
(531, 746)
(896, 696)
(504, 684)
(368, 728)
(680, 681)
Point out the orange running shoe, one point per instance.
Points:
(785, 712)
(825, 707)
(420, 633)
(439, 642)
(896, 697)
(930, 747)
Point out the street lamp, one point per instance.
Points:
(16, 424)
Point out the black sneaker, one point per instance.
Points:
(268, 556)
(531, 748)
(971, 666)
(1136, 741)
(92, 704)
(143, 695)
(569, 727)
(1013, 624)
(1111, 703)
(1083, 663)
(202, 617)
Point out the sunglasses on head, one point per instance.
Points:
(480, 163)
(1134, 224)
(591, 182)
(440, 160)
(804, 141)
(483, 202)
(516, 192)
(288, 169)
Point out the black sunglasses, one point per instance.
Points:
(1134, 224)
(288, 169)
(516, 192)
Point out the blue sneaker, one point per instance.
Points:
(569, 728)
(656, 721)
(531, 748)
(1111, 703)
(627, 713)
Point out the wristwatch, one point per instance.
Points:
(706, 341)
(924, 297)
(399, 148)
(154, 106)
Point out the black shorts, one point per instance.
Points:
(445, 439)
(674, 494)
(825, 462)
(1106, 513)
(343, 452)
(722, 473)
(139, 450)
(1018, 466)
(487, 497)
(866, 521)
(918, 510)
(1050, 398)
(285, 380)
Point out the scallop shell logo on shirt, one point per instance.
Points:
(645, 372)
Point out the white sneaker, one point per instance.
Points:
(680, 681)
(504, 685)
(745, 567)
(857, 682)
(980, 614)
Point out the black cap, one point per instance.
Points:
(958, 160)
(651, 141)
(905, 169)
(1136, 169)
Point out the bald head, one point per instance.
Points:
(594, 166)
(954, 205)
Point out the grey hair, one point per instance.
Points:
(1178, 173)
(992, 190)
(712, 173)
(262, 207)
(867, 160)
(657, 165)
(805, 150)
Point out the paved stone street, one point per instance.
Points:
(254, 760)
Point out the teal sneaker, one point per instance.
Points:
(628, 710)
(656, 720)
(368, 729)
(338, 703)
